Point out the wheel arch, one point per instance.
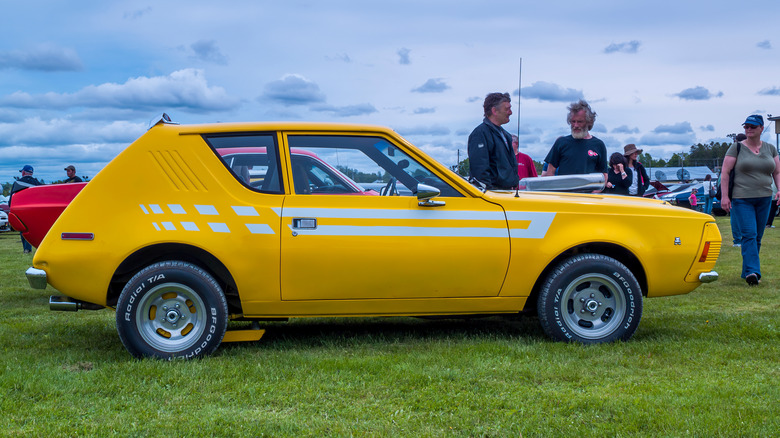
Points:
(615, 251)
(174, 251)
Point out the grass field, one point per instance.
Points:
(703, 364)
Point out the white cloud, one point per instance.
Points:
(184, 89)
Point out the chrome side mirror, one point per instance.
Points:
(425, 193)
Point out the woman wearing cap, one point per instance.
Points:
(756, 166)
(641, 181)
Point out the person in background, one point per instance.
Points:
(641, 181)
(71, 172)
(754, 170)
(619, 177)
(708, 192)
(27, 180)
(579, 152)
(492, 163)
(525, 165)
(736, 237)
(692, 200)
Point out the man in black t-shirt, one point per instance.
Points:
(579, 152)
(72, 177)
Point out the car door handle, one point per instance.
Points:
(304, 223)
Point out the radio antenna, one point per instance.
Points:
(519, 92)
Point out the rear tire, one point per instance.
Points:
(590, 298)
(171, 310)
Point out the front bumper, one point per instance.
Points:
(36, 278)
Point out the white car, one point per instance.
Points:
(4, 221)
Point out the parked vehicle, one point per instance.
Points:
(194, 242)
(4, 221)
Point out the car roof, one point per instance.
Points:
(275, 126)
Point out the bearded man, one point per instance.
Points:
(579, 152)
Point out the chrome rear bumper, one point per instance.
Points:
(708, 277)
(36, 278)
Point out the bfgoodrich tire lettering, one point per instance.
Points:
(171, 310)
(590, 298)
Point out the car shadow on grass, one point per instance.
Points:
(343, 332)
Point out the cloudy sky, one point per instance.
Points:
(79, 81)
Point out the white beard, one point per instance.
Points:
(579, 134)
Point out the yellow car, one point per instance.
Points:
(193, 226)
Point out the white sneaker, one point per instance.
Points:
(737, 245)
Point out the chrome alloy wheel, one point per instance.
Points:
(593, 306)
(172, 317)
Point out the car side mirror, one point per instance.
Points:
(425, 193)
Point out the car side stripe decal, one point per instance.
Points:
(522, 224)
(389, 231)
(377, 213)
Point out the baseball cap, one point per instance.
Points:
(70, 168)
(754, 119)
(27, 168)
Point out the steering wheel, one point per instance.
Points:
(389, 189)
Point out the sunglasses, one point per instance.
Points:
(750, 126)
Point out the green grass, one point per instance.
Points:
(703, 364)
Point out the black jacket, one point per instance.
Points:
(492, 161)
(21, 184)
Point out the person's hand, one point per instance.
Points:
(725, 203)
(620, 167)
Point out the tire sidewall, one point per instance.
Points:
(552, 308)
(132, 297)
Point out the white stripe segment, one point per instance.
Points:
(259, 229)
(537, 229)
(245, 211)
(189, 226)
(176, 209)
(207, 210)
(219, 227)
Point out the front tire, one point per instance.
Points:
(590, 298)
(171, 310)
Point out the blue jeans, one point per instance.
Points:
(25, 244)
(751, 214)
(736, 237)
(707, 204)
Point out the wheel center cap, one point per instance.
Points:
(172, 316)
(591, 305)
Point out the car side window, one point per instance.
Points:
(340, 164)
(251, 158)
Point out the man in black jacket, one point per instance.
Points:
(492, 162)
(27, 180)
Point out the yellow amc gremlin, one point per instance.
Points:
(191, 227)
